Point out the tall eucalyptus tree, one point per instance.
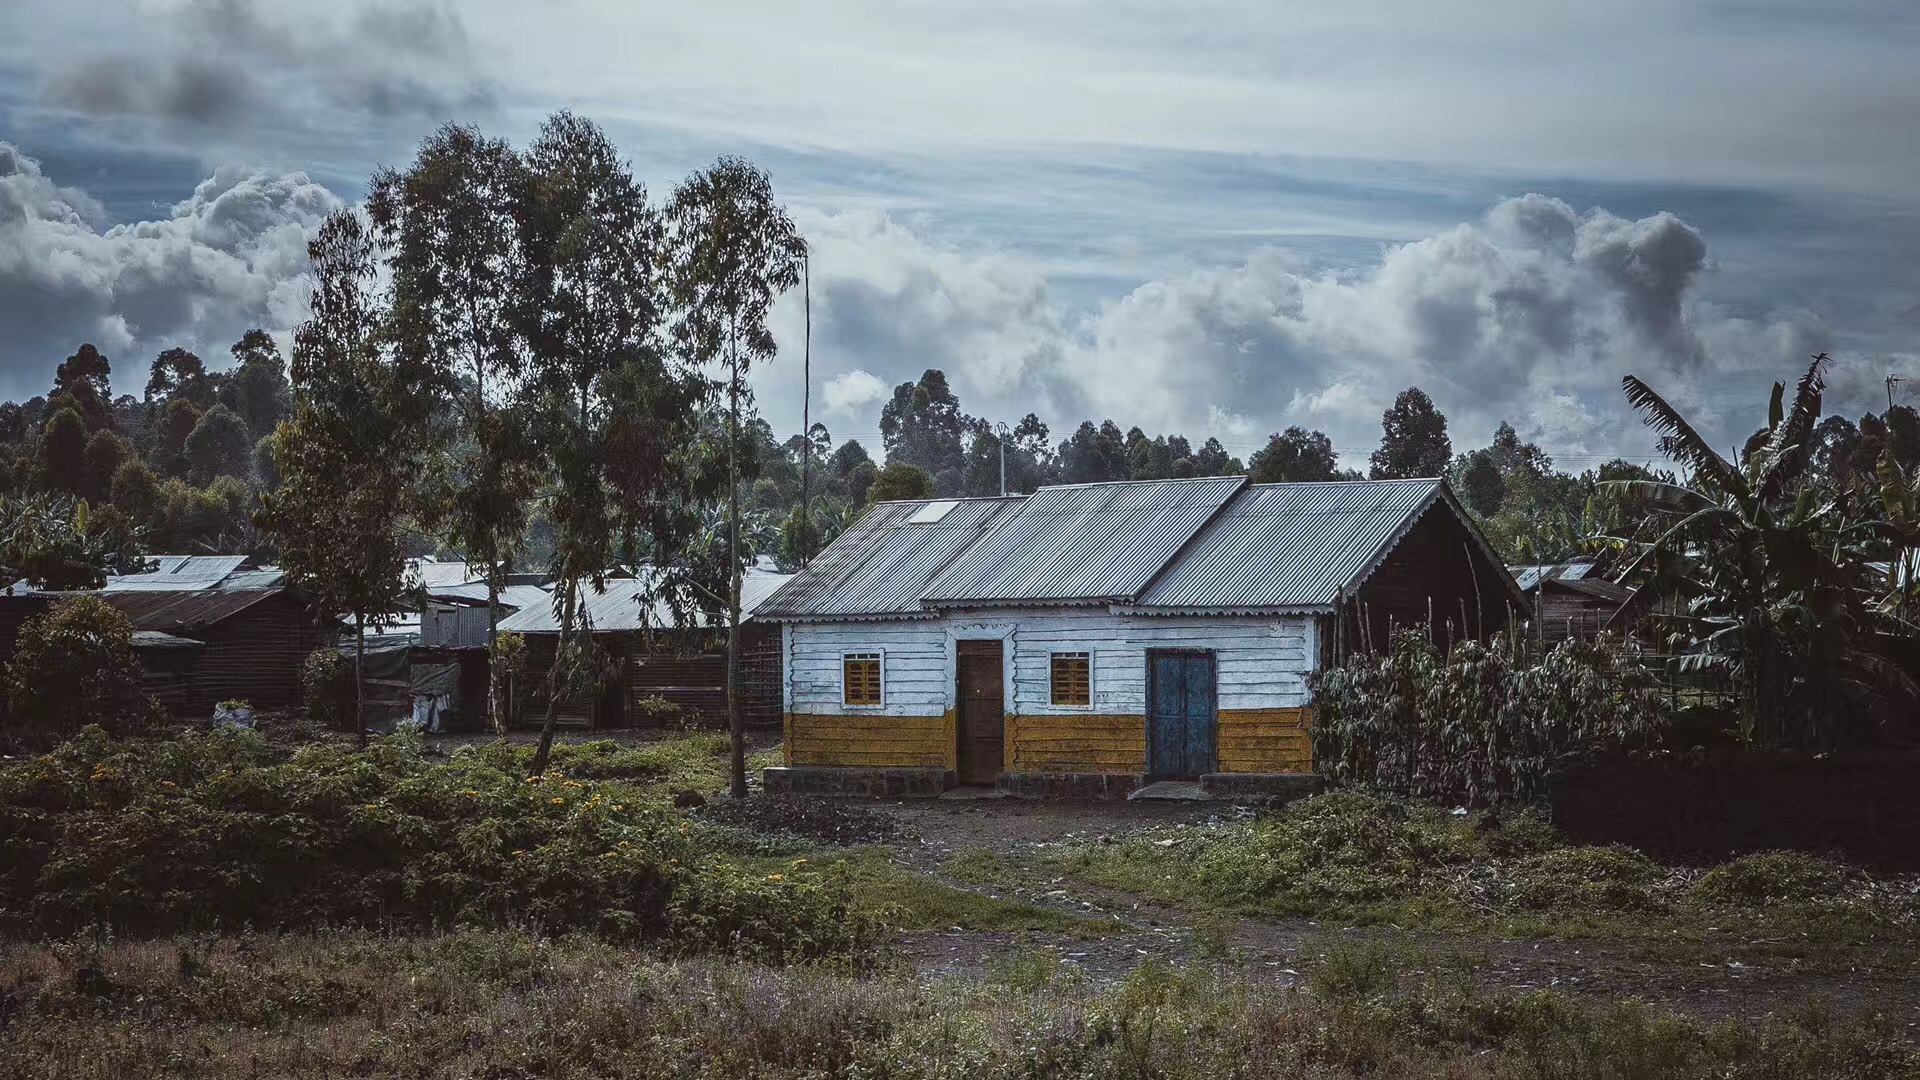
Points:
(734, 251)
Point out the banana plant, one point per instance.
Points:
(1759, 575)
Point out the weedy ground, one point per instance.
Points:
(227, 904)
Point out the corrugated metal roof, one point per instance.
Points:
(882, 563)
(178, 573)
(158, 639)
(437, 572)
(618, 608)
(475, 592)
(1290, 545)
(1083, 542)
(248, 580)
(1529, 576)
(172, 611)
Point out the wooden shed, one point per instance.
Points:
(646, 658)
(204, 647)
(1572, 599)
(1091, 638)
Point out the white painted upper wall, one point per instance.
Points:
(1262, 662)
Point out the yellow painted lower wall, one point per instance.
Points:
(1265, 740)
(1250, 741)
(873, 741)
(1077, 743)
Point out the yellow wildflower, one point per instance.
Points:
(558, 801)
(776, 877)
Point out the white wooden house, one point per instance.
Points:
(1090, 638)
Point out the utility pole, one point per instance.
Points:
(1891, 379)
(806, 400)
(1004, 433)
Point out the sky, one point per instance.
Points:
(1212, 218)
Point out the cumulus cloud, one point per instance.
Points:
(853, 393)
(218, 62)
(226, 259)
(1530, 314)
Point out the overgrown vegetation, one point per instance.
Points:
(1360, 858)
(74, 666)
(1763, 570)
(1481, 722)
(502, 1004)
(226, 829)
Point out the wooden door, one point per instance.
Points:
(1182, 715)
(980, 725)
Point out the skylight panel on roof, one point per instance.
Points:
(932, 512)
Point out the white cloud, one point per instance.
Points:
(853, 392)
(225, 259)
(1531, 314)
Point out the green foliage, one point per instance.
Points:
(1587, 879)
(219, 445)
(58, 543)
(1295, 456)
(1759, 574)
(900, 480)
(1413, 439)
(74, 666)
(225, 829)
(1774, 877)
(326, 685)
(1344, 852)
(1480, 723)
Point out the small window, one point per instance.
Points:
(1072, 678)
(860, 678)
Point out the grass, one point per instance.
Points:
(511, 1006)
(1366, 860)
(905, 899)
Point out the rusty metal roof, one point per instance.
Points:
(176, 611)
(882, 563)
(1083, 542)
(1291, 546)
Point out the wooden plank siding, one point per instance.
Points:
(1431, 570)
(874, 741)
(1262, 663)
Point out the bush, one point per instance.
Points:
(225, 829)
(75, 666)
(1478, 724)
(1773, 877)
(326, 683)
(1340, 852)
(1609, 879)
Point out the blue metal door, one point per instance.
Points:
(1182, 714)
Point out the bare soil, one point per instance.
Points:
(1720, 975)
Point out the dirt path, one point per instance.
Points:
(1721, 976)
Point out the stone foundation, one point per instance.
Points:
(1271, 788)
(1070, 785)
(854, 780)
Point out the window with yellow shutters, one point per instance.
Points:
(860, 678)
(1073, 678)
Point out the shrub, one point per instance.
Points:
(1612, 878)
(326, 683)
(1340, 852)
(1478, 724)
(1772, 877)
(75, 666)
(225, 829)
